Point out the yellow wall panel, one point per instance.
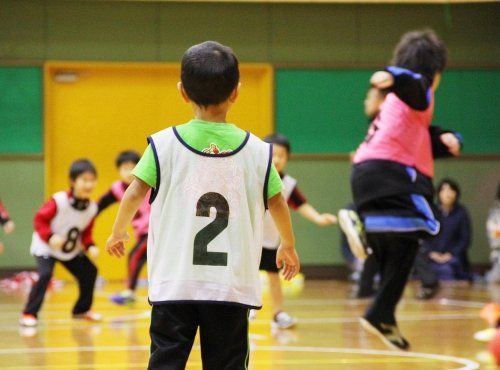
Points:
(96, 110)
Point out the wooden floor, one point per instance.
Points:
(328, 335)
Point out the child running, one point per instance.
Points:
(297, 201)
(125, 163)
(212, 183)
(392, 177)
(63, 230)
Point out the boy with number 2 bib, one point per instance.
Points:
(212, 183)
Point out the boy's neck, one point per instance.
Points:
(211, 113)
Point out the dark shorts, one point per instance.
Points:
(223, 330)
(268, 260)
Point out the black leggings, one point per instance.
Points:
(136, 260)
(80, 267)
(395, 254)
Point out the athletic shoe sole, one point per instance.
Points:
(347, 221)
(373, 330)
(27, 324)
(275, 325)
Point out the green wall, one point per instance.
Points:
(321, 110)
(21, 110)
(348, 34)
(21, 190)
(351, 36)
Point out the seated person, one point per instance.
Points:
(448, 251)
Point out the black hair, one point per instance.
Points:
(421, 52)
(127, 156)
(209, 73)
(452, 184)
(498, 191)
(81, 166)
(280, 140)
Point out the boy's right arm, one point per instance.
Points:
(287, 255)
(132, 199)
(42, 220)
(412, 88)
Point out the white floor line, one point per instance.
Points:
(467, 364)
(459, 303)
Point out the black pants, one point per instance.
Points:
(80, 267)
(367, 277)
(395, 254)
(136, 260)
(223, 336)
(424, 270)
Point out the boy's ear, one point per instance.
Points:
(183, 92)
(235, 93)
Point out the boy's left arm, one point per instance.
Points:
(134, 195)
(445, 143)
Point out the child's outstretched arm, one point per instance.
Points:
(7, 224)
(132, 199)
(445, 143)
(287, 255)
(322, 219)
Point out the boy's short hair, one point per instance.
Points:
(80, 166)
(209, 73)
(127, 156)
(279, 140)
(452, 184)
(421, 52)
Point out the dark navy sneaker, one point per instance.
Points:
(388, 333)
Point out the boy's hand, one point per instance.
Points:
(452, 143)
(9, 227)
(287, 258)
(56, 242)
(93, 251)
(325, 219)
(115, 245)
(382, 80)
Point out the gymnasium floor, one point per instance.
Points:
(328, 335)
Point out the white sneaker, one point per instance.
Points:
(28, 320)
(282, 320)
(353, 228)
(485, 335)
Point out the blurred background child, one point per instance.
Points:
(7, 224)
(63, 231)
(271, 241)
(125, 163)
